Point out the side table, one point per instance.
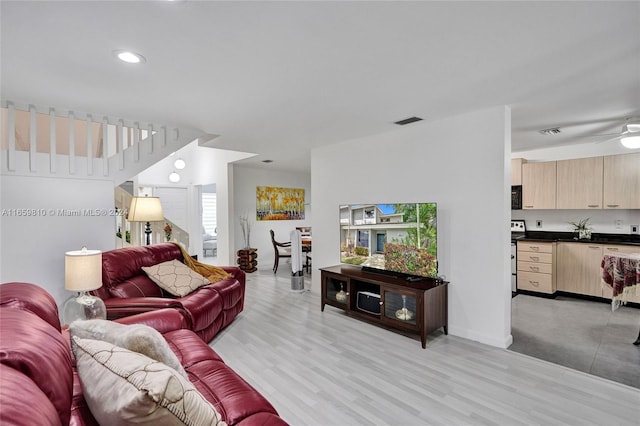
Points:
(248, 259)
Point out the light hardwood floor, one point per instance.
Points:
(324, 368)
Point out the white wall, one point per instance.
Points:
(205, 166)
(246, 179)
(33, 247)
(463, 164)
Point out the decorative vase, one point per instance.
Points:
(404, 314)
(584, 234)
(341, 296)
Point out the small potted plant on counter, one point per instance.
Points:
(582, 228)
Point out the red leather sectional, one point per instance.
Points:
(40, 386)
(127, 290)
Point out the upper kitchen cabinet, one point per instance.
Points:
(579, 183)
(621, 181)
(539, 185)
(516, 171)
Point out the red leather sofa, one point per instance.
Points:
(39, 384)
(127, 290)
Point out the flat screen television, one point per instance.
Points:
(397, 239)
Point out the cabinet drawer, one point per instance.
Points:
(543, 268)
(535, 247)
(542, 283)
(535, 257)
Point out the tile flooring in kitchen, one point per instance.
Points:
(579, 334)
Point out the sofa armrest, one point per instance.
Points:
(121, 307)
(163, 320)
(236, 273)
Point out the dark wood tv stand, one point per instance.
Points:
(418, 307)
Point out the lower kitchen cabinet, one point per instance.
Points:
(579, 268)
(536, 266)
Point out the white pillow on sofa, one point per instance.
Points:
(134, 337)
(175, 277)
(127, 388)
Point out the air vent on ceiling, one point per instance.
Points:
(267, 161)
(408, 121)
(551, 131)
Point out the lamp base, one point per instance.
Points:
(83, 306)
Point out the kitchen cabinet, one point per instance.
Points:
(579, 183)
(539, 185)
(618, 248)
(578, 268)
(516, 171)
(536, 266)
(621, 181)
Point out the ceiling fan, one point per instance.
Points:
(629, 137)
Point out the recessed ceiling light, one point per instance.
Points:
(129, 57)
(179, 164)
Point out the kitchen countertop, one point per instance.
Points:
(569, 237)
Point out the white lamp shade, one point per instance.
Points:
(83, 270)
(145, 209)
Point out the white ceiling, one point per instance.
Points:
(279, 78)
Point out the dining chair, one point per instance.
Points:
(280, 250)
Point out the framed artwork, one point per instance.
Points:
(275, 203)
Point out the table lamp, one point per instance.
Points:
(83, 273)
(146, 209)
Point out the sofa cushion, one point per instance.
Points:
(38, 350)
(141, 390)
(23, 403)
(135, 337)
(175, 277)
(234, 398)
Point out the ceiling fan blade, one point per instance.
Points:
(601, 135)
(617, 138)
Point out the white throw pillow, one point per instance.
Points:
(135, 337)
(127, 388)
(175, 277)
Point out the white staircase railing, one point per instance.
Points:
(46, 141)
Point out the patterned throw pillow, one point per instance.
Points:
(175, 277)
(126, 388)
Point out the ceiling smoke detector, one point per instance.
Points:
(551, 131)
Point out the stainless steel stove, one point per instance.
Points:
(518, 230)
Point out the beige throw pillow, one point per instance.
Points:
(175, 277)
(135, 337)
(127, 388)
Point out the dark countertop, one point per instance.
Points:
(625, 239)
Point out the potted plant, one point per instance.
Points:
(582, 228)
(168, 230)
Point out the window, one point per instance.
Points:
(209, 221)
